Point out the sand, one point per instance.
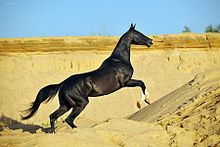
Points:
(181, 72)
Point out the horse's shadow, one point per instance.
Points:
(15, 125)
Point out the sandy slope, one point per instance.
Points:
(114, 132)
(189, 114)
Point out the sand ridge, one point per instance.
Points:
(184, 41)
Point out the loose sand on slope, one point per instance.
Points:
(190, 114)
(181, 72)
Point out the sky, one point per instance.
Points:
(41, 18)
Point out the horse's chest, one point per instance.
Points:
(124, 74)
(126, 71)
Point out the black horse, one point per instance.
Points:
(114, 73)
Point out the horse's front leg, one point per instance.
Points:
(145, 94)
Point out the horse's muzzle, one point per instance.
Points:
(149, 43)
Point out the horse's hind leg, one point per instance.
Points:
(53, 117)
(77, 109)
(60, 111)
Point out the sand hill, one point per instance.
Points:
(181, 72)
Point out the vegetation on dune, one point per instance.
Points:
(210, 28)
(186, 29)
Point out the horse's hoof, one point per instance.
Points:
(139, 104)
(52, 131)
(70, 124)
(147, 101)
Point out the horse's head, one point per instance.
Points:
(139, 38)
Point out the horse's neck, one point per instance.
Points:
(122, 49)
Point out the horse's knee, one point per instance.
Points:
(84, 104)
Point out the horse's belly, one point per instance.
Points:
(105, 87)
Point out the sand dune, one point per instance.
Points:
(181, 72)
(191, 113)
(204, 84)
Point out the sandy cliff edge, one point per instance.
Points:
(101, 43)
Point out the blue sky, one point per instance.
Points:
(37, 18)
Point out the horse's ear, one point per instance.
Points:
(132, 26)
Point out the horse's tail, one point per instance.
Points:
(44, 95)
